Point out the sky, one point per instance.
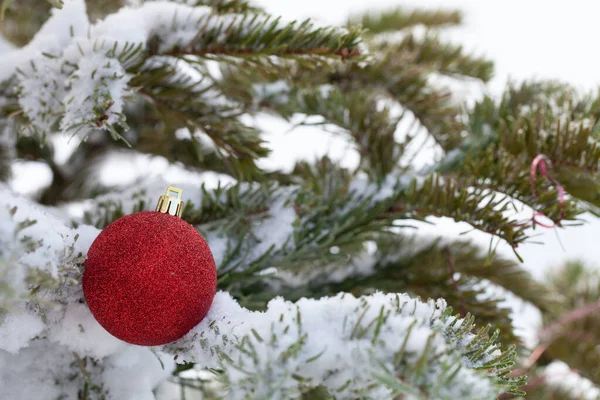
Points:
(526, 38)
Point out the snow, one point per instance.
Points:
(45, 370)
(330, 342)
(75, 327)
(97, 90)
(558, 375)
(34, 372)
(301, 143)
(126, 169)
(36, 239)
(45, 338)
(277, 228)
(21, 177)
(17, 329)
(73, 68)
(133, 374)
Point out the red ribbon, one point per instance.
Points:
(541, 162)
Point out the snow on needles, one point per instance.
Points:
(345, 343)
(76, 73)
(352, 346)
(46, 331)
(35, 240)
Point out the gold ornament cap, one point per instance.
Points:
(171, 203)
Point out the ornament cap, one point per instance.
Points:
(169, 203)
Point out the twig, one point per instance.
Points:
(550, 333)
(536, 383)
(461, 300)
(569, 317)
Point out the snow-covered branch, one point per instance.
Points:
(371, 347)
(77, 73)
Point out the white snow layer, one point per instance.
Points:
(50, 344)
(343, 343)
(74, 72)
(558, 375)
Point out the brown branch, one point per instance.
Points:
(451, 270)
(551, 330)
(569, 317)
(538, 381)
(344, 53)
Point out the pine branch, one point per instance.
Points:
(443, 197)
(182, 100)
(552, 383)
(250, 35)
(281, 342)
(401, 18)
(397, 266)
(545, 105)
(571, 332)
(371, 126)
(395, 77)
(400, 72)
(179, 98)
(227, 6)
(570, 148)
(495, 169)
(434, 55)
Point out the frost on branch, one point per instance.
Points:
(373, 347)
(76, 74)
(103, 95)
(50, 344)
(369, 347)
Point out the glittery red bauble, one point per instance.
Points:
(149, 278)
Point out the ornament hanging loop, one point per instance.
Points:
(170, 202)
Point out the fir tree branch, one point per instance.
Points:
(443, 197)
(360, 113)
(556, 382)
(401, 18)
(496, 170)
(398, 267)
(400, 72)
(280, 341)
(570, 331)
(395, 77)
(227, 6)
(250, 35)
(180, 101)
(434, 55)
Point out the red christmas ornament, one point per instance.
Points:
(150, 277)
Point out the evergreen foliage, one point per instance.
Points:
(182, 81)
